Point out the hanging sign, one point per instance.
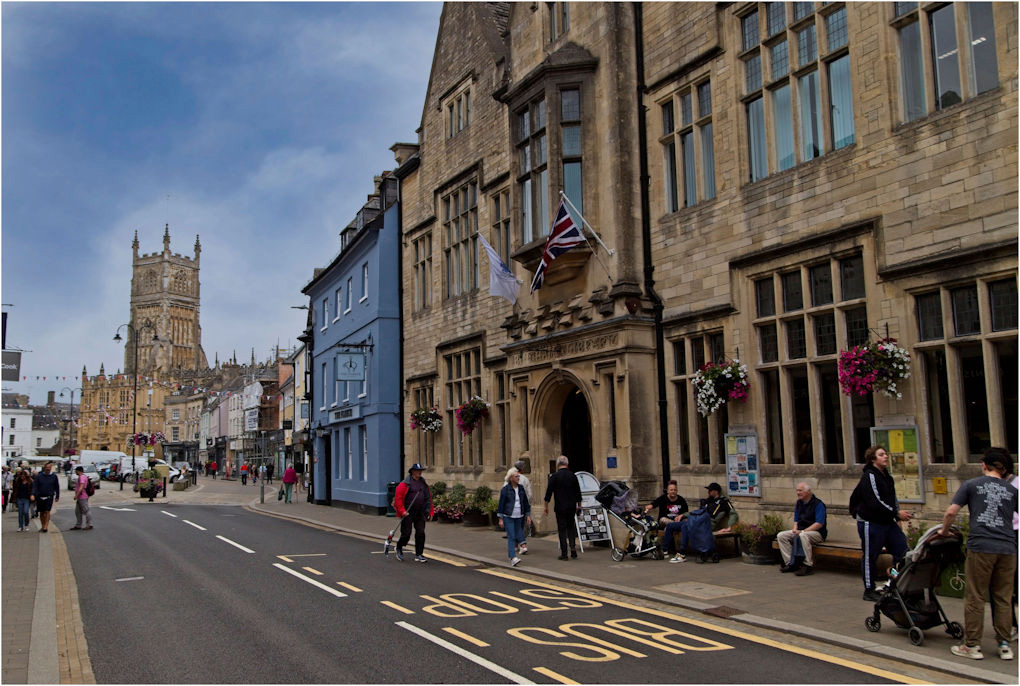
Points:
(350, 367)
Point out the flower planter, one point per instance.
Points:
(759, 554)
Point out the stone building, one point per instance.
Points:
(818, 176)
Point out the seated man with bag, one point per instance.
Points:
(808, 530)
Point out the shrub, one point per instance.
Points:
(458, 494)
(438, 489)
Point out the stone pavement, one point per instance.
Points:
(825, 606)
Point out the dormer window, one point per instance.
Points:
(458, 112)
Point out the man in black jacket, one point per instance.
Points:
(563, 484)
(45, 491)
(873, 503)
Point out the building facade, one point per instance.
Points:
(354, 355)
(818, 176)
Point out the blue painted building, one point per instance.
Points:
(354, 359)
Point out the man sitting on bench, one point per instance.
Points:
(808, 530)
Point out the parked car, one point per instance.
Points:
(90, 471)
(142, 463)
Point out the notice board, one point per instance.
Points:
(901, 442)
(743, 467)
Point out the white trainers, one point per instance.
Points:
(679, 557)
(1005, 652)
(514, 562)
(970, 652)
(523, 549)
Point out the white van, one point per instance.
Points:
(141, 464)
(98, 457)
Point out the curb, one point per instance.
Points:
(954, 668)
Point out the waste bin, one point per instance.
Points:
(391, 493)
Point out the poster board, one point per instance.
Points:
(743, 466)
(591, 522)
(902, 444)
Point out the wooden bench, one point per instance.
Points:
(846, 554)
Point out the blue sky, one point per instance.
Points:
(264, 123)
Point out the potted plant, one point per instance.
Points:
(871, 367)
(717, 384)
(475, 508)
(450, 505)
(427, 419)
(470, 414)
(150, 483)
(756, 539)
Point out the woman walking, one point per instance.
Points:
(289, 479)
(22, 494)
(514, 512)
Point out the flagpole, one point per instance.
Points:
(585, 222)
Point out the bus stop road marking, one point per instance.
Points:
(467, 655)
(313, 582)
(554, 676)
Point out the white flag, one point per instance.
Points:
(502, 281)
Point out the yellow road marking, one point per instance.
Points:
(470, 639)
(398, 608)
(312, 571)
(814, 654)
(447, 560)
(285, 558)
(348, 586)
(554, 676)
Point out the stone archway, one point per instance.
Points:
(562, 417)
(575, 431)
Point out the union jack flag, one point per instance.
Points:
(565, 235)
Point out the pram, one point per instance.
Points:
(630, 533)
(909, 598)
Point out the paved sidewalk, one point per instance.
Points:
(825, 606)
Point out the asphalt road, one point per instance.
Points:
(209, 594)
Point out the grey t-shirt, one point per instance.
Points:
(991, 502)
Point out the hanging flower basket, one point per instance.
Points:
(470, 414)
(142, 438)
(871, 367)
(717, 384)
(427, 419)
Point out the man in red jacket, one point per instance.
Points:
(413, 503)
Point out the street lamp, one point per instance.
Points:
(71, 420)
(134, 414)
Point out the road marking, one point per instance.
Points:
(117, 509)
(200, 528)
(168, 514)
(457, 650)
(316, 572)
(349, 586)
(554, 676)
(470, 639)
(790, 648)
(131, 578)
(313, 582)
(236, 545)
(447, 560)
(288, 556)
(398, 608)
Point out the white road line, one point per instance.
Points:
(117, 509)
(236, 545)
(313, 582)
(131, 578)
(200, 528)
(481, 661)
(168, 514)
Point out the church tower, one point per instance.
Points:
(165, 297)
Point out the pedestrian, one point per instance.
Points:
(244, 473)
(413, 503)
(874, 505)
(46, 493)
(526, 485)
(212, 468)
(809, 529)
(563, 485)
(514, 513)
(289, 479)
(81, 500)
(262, 472)
(8, 482)
(991, 552)
(22, 493)
(269, 473)
(306, 479)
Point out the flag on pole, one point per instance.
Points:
(564, 236)
(502, 281)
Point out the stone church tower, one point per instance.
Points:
(165, 297)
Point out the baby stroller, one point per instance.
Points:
(909, 599)
(630, 533)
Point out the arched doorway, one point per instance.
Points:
(575, 431)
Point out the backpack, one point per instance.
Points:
(855, 501)
(90, 490)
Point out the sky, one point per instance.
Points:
(256, 126)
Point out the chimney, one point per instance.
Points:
(50, 398)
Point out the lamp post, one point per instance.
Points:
(134, 413)
(70, 422)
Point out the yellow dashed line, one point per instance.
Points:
(349, 587)
(398, 608)
(554, 676)
(470, 639)
(312, 571)
(447, 560)
(285, 558)
(814, 654)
